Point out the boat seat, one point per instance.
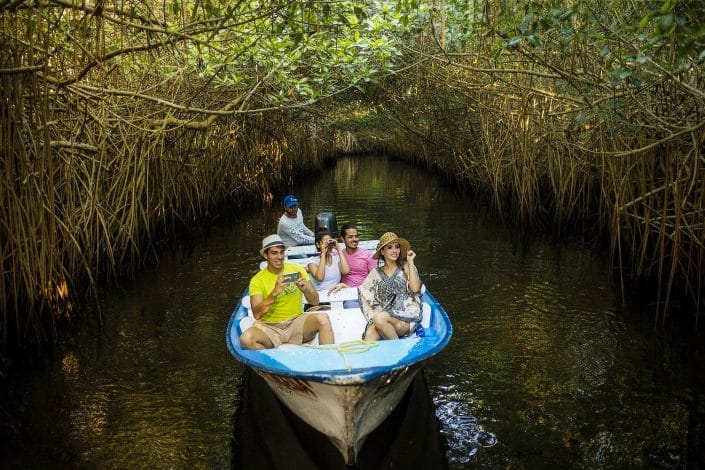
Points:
(336, 299)
(348, 324)
(249, 320)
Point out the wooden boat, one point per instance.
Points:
(348, 389)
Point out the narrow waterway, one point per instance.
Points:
(546, 367)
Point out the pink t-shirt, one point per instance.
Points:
(361, 263)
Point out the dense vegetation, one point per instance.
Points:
(124, 121)
(576, 115)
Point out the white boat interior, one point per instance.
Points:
(348, 323)
(303, 251)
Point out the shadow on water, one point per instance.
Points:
(268, 435)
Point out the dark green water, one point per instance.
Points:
(544, 358)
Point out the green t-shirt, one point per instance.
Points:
(289, 303)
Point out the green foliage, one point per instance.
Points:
(303, 51)
(676, 25)
(658, 27)
(286, 52)
(632, 40)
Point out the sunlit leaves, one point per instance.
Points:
(306, 50)
(296, 51)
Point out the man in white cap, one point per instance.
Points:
(292, 229)
(277, 303)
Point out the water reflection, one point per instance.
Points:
(544, 356)
(268, 435)
(464, 434)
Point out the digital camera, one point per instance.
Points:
(291, 277)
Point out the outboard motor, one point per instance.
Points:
(327, 220)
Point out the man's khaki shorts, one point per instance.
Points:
(290, 331)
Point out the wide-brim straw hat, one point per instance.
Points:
(391, 237)
(270, 241)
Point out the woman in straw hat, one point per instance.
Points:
(390, 295)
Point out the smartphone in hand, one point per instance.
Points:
(291, 277)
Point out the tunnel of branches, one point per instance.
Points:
(124, 122)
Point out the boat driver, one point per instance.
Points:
(291, 228)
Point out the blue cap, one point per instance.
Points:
(290, 201)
